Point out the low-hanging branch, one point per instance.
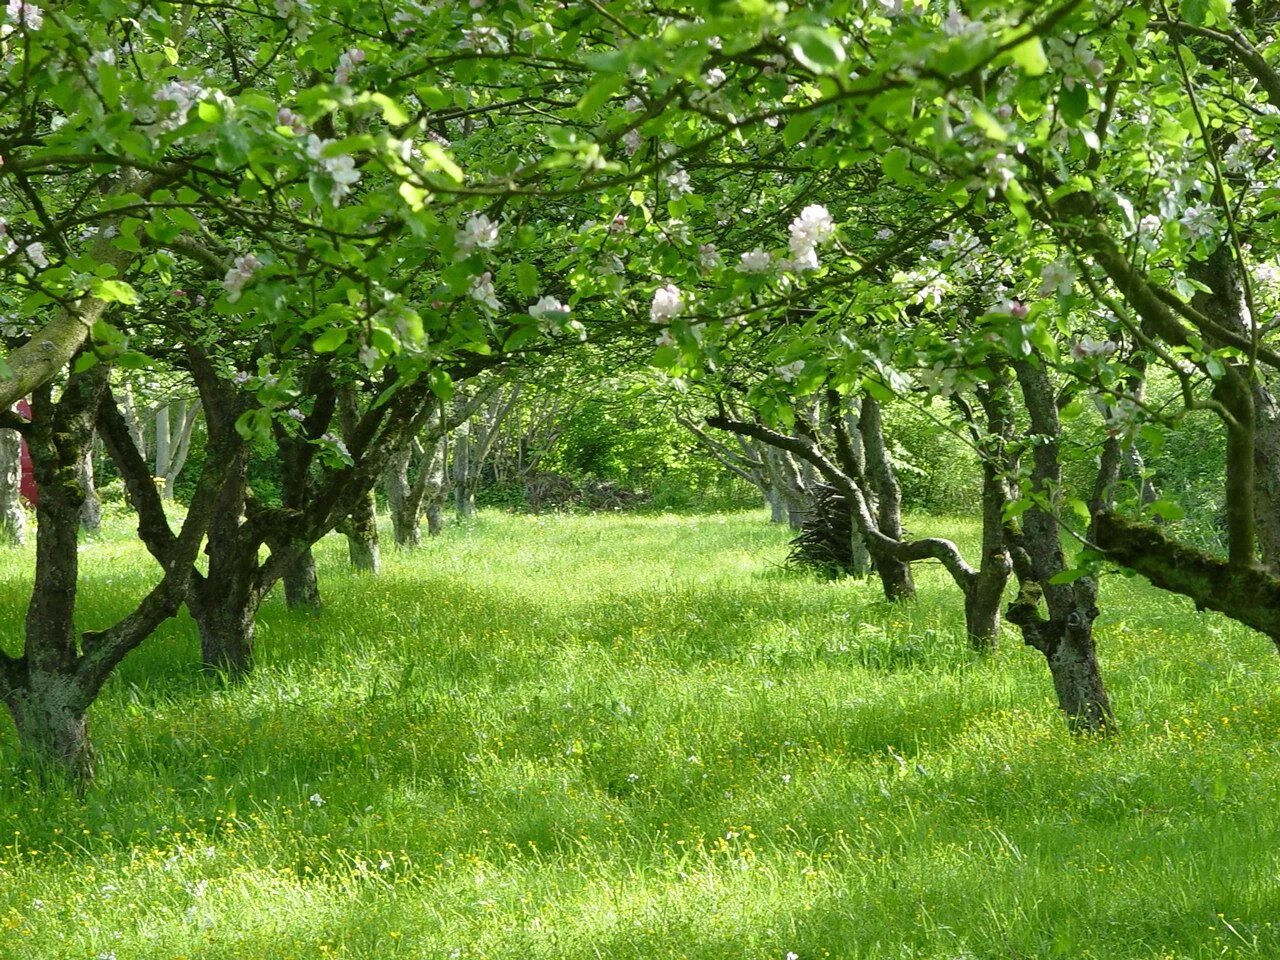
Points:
(906, 551)
(1244, 592)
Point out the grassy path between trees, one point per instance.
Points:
(631, 737)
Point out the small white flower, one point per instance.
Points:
(347, 63)
(35, 254)
(239, 275)
(755, 261)
(547, 305)
(1089, 347)
(715, 77)
(1057, 277)
(668, 301)
(25, 14)
(678, 180)
(633, 104)
(632, 141)
(708, 256)
(789, 371)
(315, 799)
(478, 231)
(482, 290)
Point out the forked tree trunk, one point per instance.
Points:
(1065, 637)
(13, 519)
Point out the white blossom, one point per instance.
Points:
(341, 168)
(347, 63)
(545, 306)
(708, 256)
(632, 141)
(478, 231)
(35, 254)
(1200, 221)
(755, 261)
(239, 275)
(1057, 277)
(24, 14)
(789, 371)
(484, 39)
(668, 302)
(1089, 347)
(482, 290)
(678, 180)
(715, 77)
(183, 94)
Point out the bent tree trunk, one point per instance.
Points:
(13, 519)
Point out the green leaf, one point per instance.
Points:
(1167, 509)
(598, 93)
(114, 291)
(1073, 103)
(527, 279)
(392, 113)
(1029, 55)
(817, 49)
(439, 160)
(1069, 576)
(330, 340)
(897, 166)
(989, 125)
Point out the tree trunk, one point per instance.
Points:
(302, 583)
(1066, 636)
(778, 512)
(13, 519)
(1225, 304)
(53, 726)
(48, 703)
(361, 529)
(406, 523)
(225, 601)
(895, 575)
(91, 509)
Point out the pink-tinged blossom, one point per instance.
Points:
(341, 168)
(632, 141)
(287, 118)
(1089, 347)
(668, 302)
(24, 14)
(183, 94)
(708, 256)
(241, 273)
(347, 64)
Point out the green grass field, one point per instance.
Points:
(640, 737)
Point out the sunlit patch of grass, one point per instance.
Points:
(641, 737)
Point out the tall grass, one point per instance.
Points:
(620, 737)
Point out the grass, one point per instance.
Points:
(620, 737)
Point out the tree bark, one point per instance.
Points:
(13, 519)
(1065, 637)
(362, 536)
(44, 694)
(91, 509)
(895, 574)
(302, 583)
